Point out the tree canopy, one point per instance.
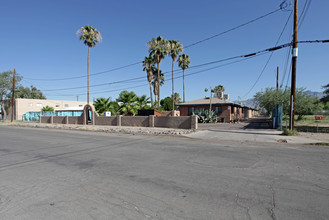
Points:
(304, 104)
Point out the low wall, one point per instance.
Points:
(135, 121)
(182, 122)
(59, 120)
(103, 120)
(75, 120)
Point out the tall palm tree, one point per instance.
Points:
(157, 83)
(148, 65)
(158, 49)
(90, 37)
(184, 62)
(174, 48)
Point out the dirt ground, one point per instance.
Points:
(322, 137)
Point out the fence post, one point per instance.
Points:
(40, 119)
(119, 120)
(151, 121)
(67, 120)
(194, 122)
(51, 119)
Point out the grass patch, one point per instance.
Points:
(320, 144)
(287, 132)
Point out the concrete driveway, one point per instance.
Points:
(254, 130)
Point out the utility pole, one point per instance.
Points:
(277, 78)
(294, 65)
(13, 98)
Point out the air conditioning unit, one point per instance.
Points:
(226, 97)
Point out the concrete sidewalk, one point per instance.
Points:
(244, 136)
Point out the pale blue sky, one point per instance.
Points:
(39, 40)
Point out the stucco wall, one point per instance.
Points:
(135, 121)
(183, 122)
(103, 120)
(59, 120)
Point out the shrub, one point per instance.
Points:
(206, 116)
(287, 132)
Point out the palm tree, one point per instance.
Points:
(176, 98)
(102, 105)
(148, 65)
(156, 84)
(184, 62)
(142, 101)
(158, 49)
(174, 48)
(128, 104)
(90, 37)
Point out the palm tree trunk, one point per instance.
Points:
(173, 91)
(88, 76)
(151, 93)
(184, 85)
(159, 84)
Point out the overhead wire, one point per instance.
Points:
(283, 5)
(268, 60)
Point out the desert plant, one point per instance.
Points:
(206, 116)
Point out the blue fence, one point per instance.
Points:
(34, 116)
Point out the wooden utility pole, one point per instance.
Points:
(277, 78)
(13, 98)
(294, 65)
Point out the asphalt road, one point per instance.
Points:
(54, 174)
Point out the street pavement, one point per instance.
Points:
(66, 174)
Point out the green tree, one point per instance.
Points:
(29, 93)
(218, 90)
(166, 103)
(177, 98)
(90, 37)
(149, 67)
(47, 109)
(271, 97)
(142, 102)
(128, 103)
(184, 62)
(174, 48)
(6, 89)
(102, 105)
(158, 49)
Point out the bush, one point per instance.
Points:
(206, 116)
(287, 132)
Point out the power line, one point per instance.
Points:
(93, 74)
(268, 60)
(204, 64)
(283, 5)
(177, 77)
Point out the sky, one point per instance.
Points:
(39, 40)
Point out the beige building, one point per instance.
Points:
(35, 105)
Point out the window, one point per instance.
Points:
(191, 110)
(80, 105)
(232, 110)
(57, 105)
(39, 104)
(218, 110)
(238, 111)
(66, 105)
(30, 104)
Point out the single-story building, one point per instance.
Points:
(226, 111)
(22, 106)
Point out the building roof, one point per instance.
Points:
(206, 101)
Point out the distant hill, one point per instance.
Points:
(315, 94)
